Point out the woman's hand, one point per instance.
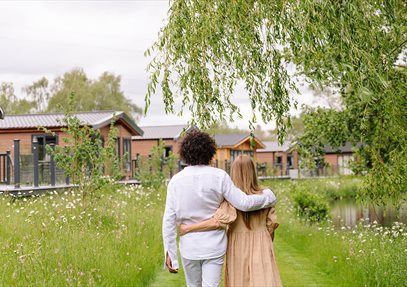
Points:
(182, 229)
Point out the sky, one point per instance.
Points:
(48, 38)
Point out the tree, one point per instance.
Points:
(91, 163)
(10, 103)
(355, 47)
(294, 132)
(224, 128)
(39, 94)
(101, 94)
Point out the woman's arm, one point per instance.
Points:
(209, 224)
(223, 216)
(243, 201)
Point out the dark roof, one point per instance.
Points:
(229, 139)
(96, 119)
(347, 148)
(274, 146)
(161, 132)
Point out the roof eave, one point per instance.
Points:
(248, 138)
(125, 119)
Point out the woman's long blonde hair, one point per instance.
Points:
(244, 177)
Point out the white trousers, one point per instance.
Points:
(203, 273)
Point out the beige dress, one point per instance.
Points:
(250, 258)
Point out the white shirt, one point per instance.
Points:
(193, 195)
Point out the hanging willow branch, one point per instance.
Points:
(207, 48)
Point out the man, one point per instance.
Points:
(193, 195)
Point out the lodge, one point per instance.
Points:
(133, 142)
(27, 130)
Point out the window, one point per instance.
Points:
(279, 161)
(249, 153)
(43, 140)
(235, 153)
(290, 161)
(167, 151)
(127, 153)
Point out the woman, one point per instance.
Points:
(250, 259)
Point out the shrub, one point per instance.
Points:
(90, 164)
(311, 206)
(154, 170)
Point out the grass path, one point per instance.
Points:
(295, 270)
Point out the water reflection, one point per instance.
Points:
(349, 213)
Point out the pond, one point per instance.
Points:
(350, 213)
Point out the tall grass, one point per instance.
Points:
(369, 255)
(64, 240)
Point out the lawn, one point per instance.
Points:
(114, 239)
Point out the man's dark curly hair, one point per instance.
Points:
(197, 148)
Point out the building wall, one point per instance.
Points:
(222, 154)
(25, 137)
(267, 157)
(271, 158)
(331, 159)
(144, 147)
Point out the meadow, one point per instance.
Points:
(65, 239)
(114, 239)
(366, 255)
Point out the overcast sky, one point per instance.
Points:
(48, 38)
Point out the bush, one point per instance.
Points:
(86, 160)
(311, 206)
(154, 170)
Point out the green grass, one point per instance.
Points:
(63, 240)
(369, 255)
(295, 269)
(115, 240)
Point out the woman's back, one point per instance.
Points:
(257, 222)
(250, 259)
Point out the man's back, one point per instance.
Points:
(197, 192)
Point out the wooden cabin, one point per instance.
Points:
(232, 145)
(279, 158)
(26, 128)
(339, 159)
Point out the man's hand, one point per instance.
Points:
(168, 263)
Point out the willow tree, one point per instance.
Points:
(207, 48)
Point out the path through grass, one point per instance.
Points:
(295, 270)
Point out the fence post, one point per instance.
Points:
(17, 163)
(179, 165)
(8, 164)
(52, 166)
(35, 156)
(216, 163)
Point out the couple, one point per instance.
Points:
(195, 203)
